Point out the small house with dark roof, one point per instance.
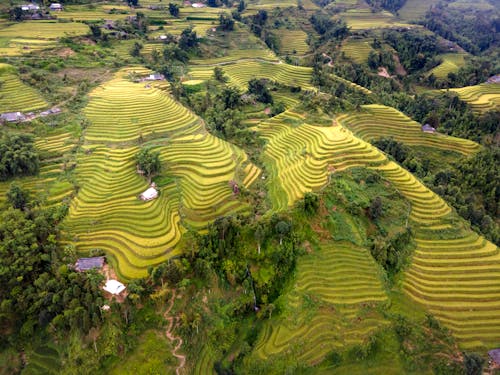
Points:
(428, 129)
(12, 117)
(494, 79)
(56, 7)
(85, 264)
(495, 357)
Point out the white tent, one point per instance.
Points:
(114, 287)
(149, 194)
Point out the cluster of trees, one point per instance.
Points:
(148, 161)
(18, 156)
(390, 5)
(474, 30)
(40, 290)
(328, 28)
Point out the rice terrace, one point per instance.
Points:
(250, 187)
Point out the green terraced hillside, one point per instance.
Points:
(482, 97)
(378, 121)
(452, 62)
(15, 95)
(107, 214)
(326, 308)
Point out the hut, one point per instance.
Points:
(428, 129)
(85, 264)
(149, 194)
(114, 287)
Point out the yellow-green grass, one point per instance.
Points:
(455, 275)
(472, 4)
(95, 13)
(452, 62)
(205, 362)
(414, 9)
(107, 213)
(241, 73)
(340, 278)
(21, 46)
(233, 55)
(44, 30)
(481, 98)
(362, 19)
(176, 26)
(357, 49)
(15, 95)
(378, 121)
(299, 157)
(293, 42)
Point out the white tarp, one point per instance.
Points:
(114, 287)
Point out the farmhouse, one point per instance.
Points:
(494, 79)
(30, 7)
(428, 129)
(495, 357)
(56, 7)
(155, 77)
(114, 287)
(85, 264)
(12, 117)
(198, 5)
(149, 194)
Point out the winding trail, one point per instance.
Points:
(172, 338)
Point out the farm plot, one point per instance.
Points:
(357, 49)
(363, 19)
(21, 46)
(15, 95)
(293, 42)
(481, 98)
(241, 54)
(455, 274)
(299, 157)
(452, 62)
(107, 214)
(239, 74)
(415, 9)
(378, 121)
(340, 278)
(45, 30)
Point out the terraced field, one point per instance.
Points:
(293, 42)
(106, 213)
(481, 98)
(414, 9)
(235, 55)
(327, 307)
(452, 62)
(15, 95)
(364, 19)
(22, 46)
(45, 30)
(378, 121)
(299, 157)
(455, 273)
(357, 49)
(44, 360)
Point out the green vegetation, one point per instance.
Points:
(303, 220)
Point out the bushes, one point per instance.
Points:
(18, 156)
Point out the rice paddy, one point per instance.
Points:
(106, 213)
(357, 49)
(15, 95)
(452, 62)
(293, 42)
(378, 121)
(326, 308)
(365, 19)
(414, 9)
(45, 30)
(482, 97)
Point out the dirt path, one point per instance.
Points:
(330, 63)
(172, 338)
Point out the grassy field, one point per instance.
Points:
(15, 95)
(378, 121)
(482, 97)
(451, 63)
(414, 9)
(106, 213)
(45, 30)
(364, 19)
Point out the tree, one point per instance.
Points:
(474, 363)
(136, 49)
(283, 228)
(96, 31)
(310, 203)
(226, 22)
(18, 156)
(188, 39)
(219, 74)
(260, 235)
(258, 88)
(173, 9)
(241, 6)
(149, 162)
(375, 210)
(17, 196)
